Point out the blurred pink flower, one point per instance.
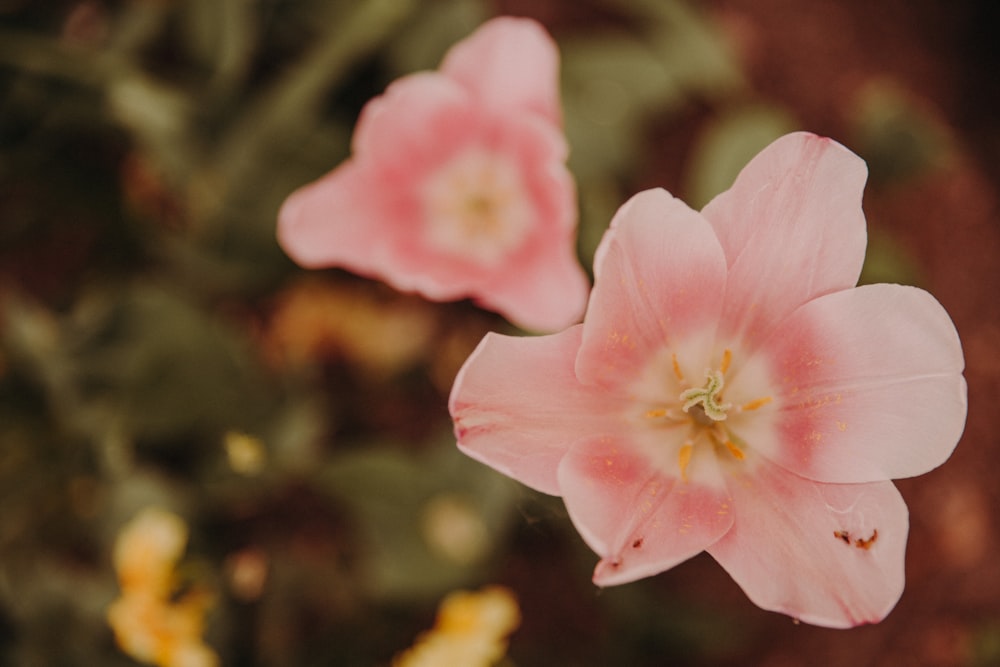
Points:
(457, 186)
(730, 390)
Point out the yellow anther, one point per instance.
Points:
(753, 405)
(727, 358)
(677, 368)
(684, 458)
(658, 412)
(734, 450)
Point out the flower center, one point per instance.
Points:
(703, 404)
(705, 412)
(476, 206)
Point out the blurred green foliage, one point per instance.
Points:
(145, 148)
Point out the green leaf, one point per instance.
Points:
(695, 54)
(887, 262)
(610, 84)
(222, 35)
(431, 522)
(431, 32)
(897, 135)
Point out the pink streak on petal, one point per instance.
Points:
(811, 550)
(792, 229)
(871, 386)
(518, 407)
(660, 277)
(509, 63)
(635, 512)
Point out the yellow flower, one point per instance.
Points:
(147, 549)
(317, 320)
(159, 632)
(150, 622)
(471, 631)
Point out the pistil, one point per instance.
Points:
(707, 398)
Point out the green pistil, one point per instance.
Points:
(707, 397)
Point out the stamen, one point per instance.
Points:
(684, 458)
(727, 358)
(753, 405)
(677, 368)
(734, 450)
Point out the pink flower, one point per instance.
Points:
(731, 391)
(457, 186)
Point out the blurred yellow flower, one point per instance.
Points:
(151, 623)
(147, 549)
(316, 319)
(454, 529)
(471, 631)
(246, 454)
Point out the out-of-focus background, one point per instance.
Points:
(158, 350)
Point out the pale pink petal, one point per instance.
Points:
(395, 129)
(547, 294)
(334, 221)
(869, 386)
(792, 229)
(517, 406)
(660, 280)
(827, 554)
(509, 63)
(636, 512)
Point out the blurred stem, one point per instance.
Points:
(288, 103)
(45, 56)
(138, 25)
(154, 112)
(49, 56)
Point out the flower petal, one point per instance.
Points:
(393, 128)
(660, 280)
(546, 294)
(792, 229)
(636, 512)
(333, 221)
(509, 63)
(518, 406)
(827, 554)
(870, 386)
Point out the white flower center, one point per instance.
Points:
(476, 206)
(704, 413)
